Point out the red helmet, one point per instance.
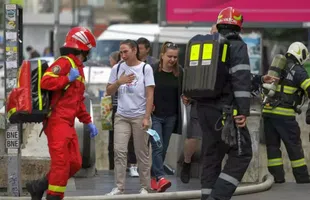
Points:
(80, 38)
(230, 16)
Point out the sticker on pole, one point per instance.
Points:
(10, 6)
(12, 144)
(12, 138)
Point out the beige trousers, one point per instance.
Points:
(123, 128)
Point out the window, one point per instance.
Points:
(104, 48)
(122, 3)
(45, 6)
(96, 3)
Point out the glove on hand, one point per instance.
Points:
(93, 130)
(229, 133)
(73, 74)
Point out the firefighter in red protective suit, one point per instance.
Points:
(65, 78)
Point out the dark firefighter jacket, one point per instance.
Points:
(289, 93)
(237, 88)
(240, 74)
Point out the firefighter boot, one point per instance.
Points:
(301, 174)
(305, 179)
(37, 188)
(185, 173)
(53, 197)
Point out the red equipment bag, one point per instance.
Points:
(28, 102)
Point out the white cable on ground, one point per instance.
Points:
(195, 194)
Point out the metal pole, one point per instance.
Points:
(78, 12)
(73, 13)
(12, 43)
(56, 27)
(159, 11)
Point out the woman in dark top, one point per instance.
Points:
(168, 77)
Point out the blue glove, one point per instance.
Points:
(73, 74)
(93, 130)
(155, 136)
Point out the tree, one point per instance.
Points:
(1, 14)
(142, 11)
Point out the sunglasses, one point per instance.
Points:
(171, 45)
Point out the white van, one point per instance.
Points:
(110, 39)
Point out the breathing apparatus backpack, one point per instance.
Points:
(28, 102)
(278, 92)
(206, 66)
(276, 69)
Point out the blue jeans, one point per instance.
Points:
(164, 127)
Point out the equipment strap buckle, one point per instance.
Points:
(228, 110)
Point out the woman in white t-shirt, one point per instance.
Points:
(134, 82)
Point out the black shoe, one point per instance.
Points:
(204, 197)
(53, 197)
(303, 181)
(37, 188)
(185, 173)
(279, 181)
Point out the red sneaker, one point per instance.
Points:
(154, 185)
(163, 185)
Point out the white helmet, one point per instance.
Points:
(299, 51)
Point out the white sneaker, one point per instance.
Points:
(115, 191)
(143, 191)
(133, 171)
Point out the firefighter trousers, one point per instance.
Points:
(217, 183)
(287, 130)
(65, 156)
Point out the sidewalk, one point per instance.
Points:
(286, 191)
(104, 182)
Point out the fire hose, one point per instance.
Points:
(179, 195)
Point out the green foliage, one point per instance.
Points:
(1, 14)
(142, 11)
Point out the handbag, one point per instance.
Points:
(106, 109)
